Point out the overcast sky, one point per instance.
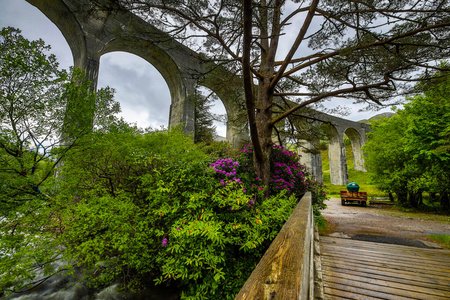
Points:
(140, 88)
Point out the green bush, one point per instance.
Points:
(141, 209)
(145, 209)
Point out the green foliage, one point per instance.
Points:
(441, 238)
(96, 111)
(406, 153)
(128, 206)
(140, 207)
(33, 98)
(204, 127)
(362, 178)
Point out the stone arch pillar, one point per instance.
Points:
(237, 132)
(90, 64)
(337, 158)
(90, 35)
(182, 111)
(357, 143)
(228, 88)
(312, 160)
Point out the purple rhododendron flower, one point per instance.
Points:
(164, 242)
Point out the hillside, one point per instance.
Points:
(377, 117)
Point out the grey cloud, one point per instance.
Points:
(138, 86)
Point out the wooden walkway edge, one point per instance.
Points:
(365, 270)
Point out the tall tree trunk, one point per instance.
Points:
(263, 117)
(264, 98)
(258, 156)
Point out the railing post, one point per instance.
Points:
(286, 271)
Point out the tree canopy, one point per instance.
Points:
(129, 206)
(309, 51)
(36, 117)
(409, 153)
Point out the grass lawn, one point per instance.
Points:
(361, 178)
(441, 239)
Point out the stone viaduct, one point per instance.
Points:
(92, 30)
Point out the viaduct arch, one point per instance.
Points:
(92, 30)
(337, 128)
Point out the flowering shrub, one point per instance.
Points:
(154, 207)
(287, 172)
(287, 175)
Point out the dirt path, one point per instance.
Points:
(351, 221)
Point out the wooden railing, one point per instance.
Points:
(286, 271)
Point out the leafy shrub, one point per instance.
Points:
(289, 175)
(152, 207)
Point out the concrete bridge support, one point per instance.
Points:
(356, 132)
(357, 142)
(93, 28)
(311, 160)
(338, 160)
(92, 31)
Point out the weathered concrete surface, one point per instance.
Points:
(312, 160)
(357, 133)
(335, 128)
(93, 29)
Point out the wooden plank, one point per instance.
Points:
(356, 254)
(388, 283)
(284, 270)
(370, 288)
(405, 279)
(364, 270)
(375, 270)
(331, 293)
(398, 265)
(393, 265)
(387, 248)
(382, 247)
(394, 259)
(363, 292)
(395, 255)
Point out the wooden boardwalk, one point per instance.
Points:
(365, 270)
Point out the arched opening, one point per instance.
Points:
(216, 112)
(334, 159)
(218, 109)
(35, 25)
(353, 144)
(141, 90)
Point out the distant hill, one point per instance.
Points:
(377, 117)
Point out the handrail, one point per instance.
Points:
(286, 271)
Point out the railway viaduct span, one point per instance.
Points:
(94, 29)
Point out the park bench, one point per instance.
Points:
(350, 197)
